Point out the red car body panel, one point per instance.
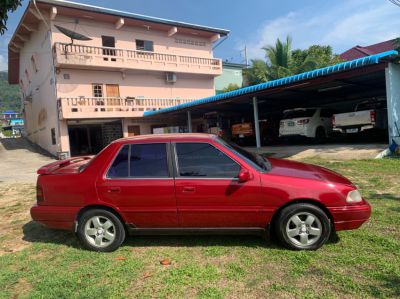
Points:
(175, 202)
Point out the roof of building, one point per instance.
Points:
(124, 14)
(234, 65)
(363, 51)
(344, 66)
(9, 112)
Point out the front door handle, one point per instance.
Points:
(114, 189)
(189, 189)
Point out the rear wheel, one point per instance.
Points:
(100, 230)
(303, 227)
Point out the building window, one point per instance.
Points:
(97, 90)
(144, 45)
(34, 63)
(53, 136)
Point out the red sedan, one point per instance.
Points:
(193, 183)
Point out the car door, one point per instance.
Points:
(140, 184)
(208, 192)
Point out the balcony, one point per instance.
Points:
(88, 57)
(83, 108)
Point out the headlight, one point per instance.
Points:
(354, 196)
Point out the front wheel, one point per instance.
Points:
(303, 227)
(100, 230)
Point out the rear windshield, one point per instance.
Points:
(299, 113)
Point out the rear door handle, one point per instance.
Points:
(114, 189)
(189, 189)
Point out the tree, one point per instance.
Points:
(396, 44)
(278, 59)
(231, 87)
(282, 61)
(257, 73)
(7, 6)
(314, 57)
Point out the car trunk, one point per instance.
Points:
(71, 165)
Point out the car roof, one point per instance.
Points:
(167, 137)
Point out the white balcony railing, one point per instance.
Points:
(104, 57)
(82, 107)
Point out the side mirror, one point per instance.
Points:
(244, 175)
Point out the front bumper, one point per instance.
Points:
(350, 216)
(58, 217)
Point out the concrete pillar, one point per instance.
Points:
(64, 137)
(393, 100)
(189, 122)
(256, 122)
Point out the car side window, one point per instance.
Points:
(203, 160)
(148, 160)
(140, 161)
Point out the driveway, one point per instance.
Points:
(323, 151)
(19, 160)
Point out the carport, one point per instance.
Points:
(339, 85)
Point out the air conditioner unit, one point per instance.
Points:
(170, 77)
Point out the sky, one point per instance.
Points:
(256, 23)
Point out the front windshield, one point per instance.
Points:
(252, 158)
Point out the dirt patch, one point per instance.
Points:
(15, 202)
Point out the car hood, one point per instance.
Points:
(294, 169)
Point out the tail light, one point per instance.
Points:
(39, 194)
(333, 121)
(303, 121)
(373, 116)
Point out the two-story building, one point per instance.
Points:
(88, 74)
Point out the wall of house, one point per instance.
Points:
(230, 75)
(125, 37)
(38, 87)
(134, 84)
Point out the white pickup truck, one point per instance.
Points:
(367, 115)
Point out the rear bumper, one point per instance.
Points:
(351, 216)
(55, 216)
(304, 131)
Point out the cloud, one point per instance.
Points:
(3, 63)
(342, 26)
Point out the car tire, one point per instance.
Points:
(303, 226)
(320, 135)
(100, 230)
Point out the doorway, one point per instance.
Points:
(109, 42)
(112, 91)
(85, 140)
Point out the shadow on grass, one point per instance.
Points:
(36, 233)
(384, 196)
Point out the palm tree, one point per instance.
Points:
(278, 59)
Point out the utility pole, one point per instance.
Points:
(245, 56)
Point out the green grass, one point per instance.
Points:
(363, 263)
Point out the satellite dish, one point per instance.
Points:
(72, 34)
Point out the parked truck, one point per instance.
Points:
(368, 115)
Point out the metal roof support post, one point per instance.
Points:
(189, 121)
(256, 122)
(392, 74)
